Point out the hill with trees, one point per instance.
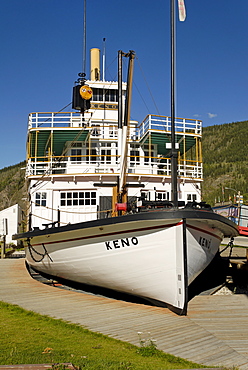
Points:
(12, 186)
(225, 161)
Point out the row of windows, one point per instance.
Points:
(109, 95)
(158, 195)
(191, 197)
(85, 198)
(103, 154)
(71, 198)
(165, 195)
(104, 157)
(75, 198)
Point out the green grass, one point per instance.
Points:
(29, 338)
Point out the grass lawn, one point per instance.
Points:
(29, 338)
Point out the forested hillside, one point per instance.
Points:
(225, 158)
(225, 161)
(12, 185)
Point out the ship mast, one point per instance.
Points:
(125, 125)
(84, 41)
(174, 152)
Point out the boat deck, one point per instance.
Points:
(215, 332)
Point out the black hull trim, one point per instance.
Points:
(228, 227)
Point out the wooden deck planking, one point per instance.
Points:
(199, 337)
(226, 317)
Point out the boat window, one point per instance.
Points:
(78, 198)
(134, 155)
(110, 95)
(105, 152)
(113, 131)
(40, 199)
(162, 195)
(191, 197)
(105, 155)
(92, 154)
(148, 157)
(97, 94)
(76, 155)
(76, 144)
(149, 154)
(107, 94)
(145, 195)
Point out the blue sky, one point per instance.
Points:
(41, 55)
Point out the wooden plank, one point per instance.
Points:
(226, 317)
(199, 337)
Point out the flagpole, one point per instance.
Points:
(84, 40)
(174, 153)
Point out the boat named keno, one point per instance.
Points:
(101, 211)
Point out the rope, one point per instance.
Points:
(47, 219)
(31, 250)
(148, 87)
(76, 212)
(230, 244)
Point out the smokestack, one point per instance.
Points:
(95, 64)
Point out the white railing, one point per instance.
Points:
(160, 123)
(76, 119)
(94, 164)
(96, 128)
(109, 129)
(58, 119)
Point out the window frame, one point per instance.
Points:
(78, 198)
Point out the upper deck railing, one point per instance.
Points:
(109, 164)
(76, 119)
(58, 119)
(163, 123)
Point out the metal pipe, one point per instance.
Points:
(84, 40)
(185, 268)
(95, 64)
(104, 59)
(125, 127)
(131, 56)
(120, 53)
(174, 152)
(120, 103)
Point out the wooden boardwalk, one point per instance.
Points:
(215, 332)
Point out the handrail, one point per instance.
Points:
(163, 123)
(67, 119)
(96, 163)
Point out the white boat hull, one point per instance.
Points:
(145, 257)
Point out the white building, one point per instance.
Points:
(10, 221)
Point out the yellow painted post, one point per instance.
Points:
(5, 232)
(200, 150)
(196, 149)
(36, 144)
(28, 146)
(114, 201)
(184, 149)
(51, 146)
(124, 200)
